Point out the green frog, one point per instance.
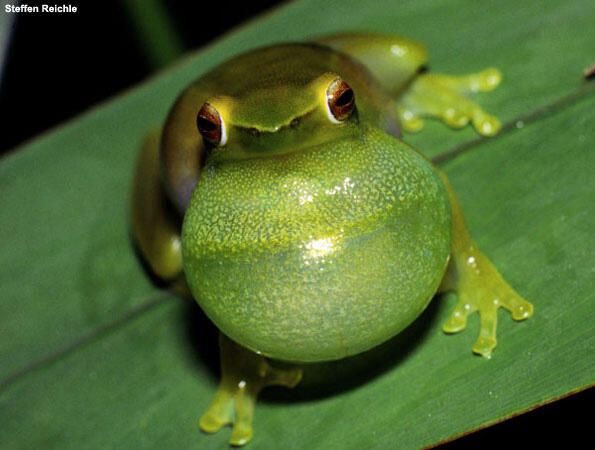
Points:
(280, 195)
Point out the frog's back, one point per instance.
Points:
(319, 254)
(293, 64)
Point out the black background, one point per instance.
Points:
(58, 65)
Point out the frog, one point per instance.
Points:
(280, 195)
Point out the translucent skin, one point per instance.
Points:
(304, 239)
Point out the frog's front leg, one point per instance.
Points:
(243, 375)
(478, 284)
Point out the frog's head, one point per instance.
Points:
(284, 116)
(265, 103)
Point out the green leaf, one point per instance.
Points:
(94, 355)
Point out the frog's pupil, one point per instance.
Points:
(345, 98)
(205, 124)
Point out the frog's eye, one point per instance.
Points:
(339, 101)
(211, 125)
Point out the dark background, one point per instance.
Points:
(59, 65)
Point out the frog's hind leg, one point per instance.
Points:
(243, 375)
(478, 284)
(444, 97)
(155, 225)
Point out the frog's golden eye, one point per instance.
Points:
(339, 100)
(211, 125)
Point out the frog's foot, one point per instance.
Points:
(444, 97)
(244, 375)
(481, 288)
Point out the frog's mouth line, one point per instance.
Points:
(299, 135)
(293, 123)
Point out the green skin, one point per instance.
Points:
(304, 239)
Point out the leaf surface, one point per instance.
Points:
(93, 355)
